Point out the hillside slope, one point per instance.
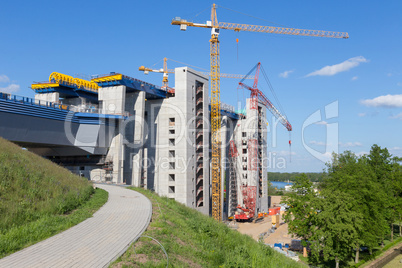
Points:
(192, 239)
(31, 186)
(36, 195)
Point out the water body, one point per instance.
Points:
(280, 184)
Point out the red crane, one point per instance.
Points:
(249, 193)
(256, 95)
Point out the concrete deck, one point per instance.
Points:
(95, 242)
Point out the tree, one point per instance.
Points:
(355, 177)
(300, 212)
(397, 192)
(338, 225)
(388, 174)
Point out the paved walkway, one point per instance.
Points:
(95, 242)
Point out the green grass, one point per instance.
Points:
(366, 259)
(24, 235)
(192, 239)
(36, 195)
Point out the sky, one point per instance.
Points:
(338, 94)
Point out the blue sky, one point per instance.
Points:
(363, 74)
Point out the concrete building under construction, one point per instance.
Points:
(119, 129)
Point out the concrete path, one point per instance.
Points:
(95, 242)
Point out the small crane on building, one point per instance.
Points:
(215, 84)
(166, 72)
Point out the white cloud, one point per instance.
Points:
(362, 114)
(285, 74)
(330, 70)
(398, 116)
(319, 143)
(4, 78)
(327, 157)
(10, 88)
(396, 151)
(321, 123)
(285, 153)
(354, 78)
(362, 153)
(384, 101)
(350, 144)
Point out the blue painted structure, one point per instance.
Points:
(51, 129)
(229, 114)
(133, 84)
(31, 107)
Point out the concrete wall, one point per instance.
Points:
(174, 173)
(112, 101)
(50, 97)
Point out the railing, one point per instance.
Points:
(54, 105)
(26, 100)
(199, 89)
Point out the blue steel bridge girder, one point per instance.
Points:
(70, 92)
(132, 84)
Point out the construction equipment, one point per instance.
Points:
(254, 165)
(232, 198)
(249, 200)
(58, 79)
(215, 84)
(257, 95)
(166, 72)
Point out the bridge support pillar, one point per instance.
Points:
(138, 171)
(113, 102)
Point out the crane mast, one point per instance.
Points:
(215, 118)
(215, 84)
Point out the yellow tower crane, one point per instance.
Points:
(215, 84)
(166, 72)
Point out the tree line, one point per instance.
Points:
(356, 205)
(277, 176)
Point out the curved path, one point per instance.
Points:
(95, 242)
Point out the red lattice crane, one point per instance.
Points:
(257, 95)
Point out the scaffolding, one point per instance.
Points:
(233, 202)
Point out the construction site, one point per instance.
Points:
(184, 142)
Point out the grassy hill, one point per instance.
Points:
(36, 195)
(192, 239)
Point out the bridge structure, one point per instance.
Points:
(120, 129)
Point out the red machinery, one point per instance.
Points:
(249, 199)
(250, 192)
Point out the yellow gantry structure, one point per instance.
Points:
(108, 78)
(56, 79)
(215, 84)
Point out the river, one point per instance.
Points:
(280, 184)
